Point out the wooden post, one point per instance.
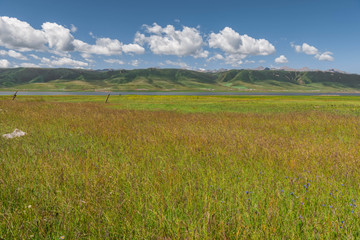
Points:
(107, 98)
(15, 95)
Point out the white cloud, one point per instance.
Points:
(232, 42)
(216, 57)
(103, 46)
(16, 55)
(13, 54)
(177, 64)
(58, 37)
(311, 50)
(326, 56)
(107, 46)
(19, 35)
(262, 61)
(114, 61)
(201, 54)
(4, 63)
(135, 63)
(73, 28)
(234, 60)
(168, 41)
(64, 61)
(133, 48)
(29, 65)
(281, 59)
(34, 56)
(250, 61)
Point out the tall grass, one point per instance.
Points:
(85, 171)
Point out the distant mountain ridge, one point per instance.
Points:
(154, 79)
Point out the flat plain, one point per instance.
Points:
(176, 167)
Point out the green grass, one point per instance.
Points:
(170, 167)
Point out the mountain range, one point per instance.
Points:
(154, 79)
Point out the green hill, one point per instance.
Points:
(152, 79)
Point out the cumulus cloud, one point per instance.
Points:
(169, 41)
(216, 57)
(58, 37)
(55, 38)
(133, 48)
(311, 50)
(326, 56)
(19, 35)
(29, 65)
(177, 64)
(103, 46)
(64, 61)
(305, 48)
(107, 46)
(13, 54)
(114, 61)
(34, 56)
(232, 42)
(234, 59)
(4, 63)
(281, 59)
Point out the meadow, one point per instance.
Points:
(176, 167)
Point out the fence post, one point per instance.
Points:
(15, 95)
(107, 98)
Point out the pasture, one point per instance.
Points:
(175, 167)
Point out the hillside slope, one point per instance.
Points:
(62, 79)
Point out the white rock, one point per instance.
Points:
(15, 133)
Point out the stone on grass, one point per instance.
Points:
(15, 133)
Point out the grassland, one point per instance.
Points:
(172, 167)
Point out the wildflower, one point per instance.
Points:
(300, 217)
(62, 237)
(291, 193)
(331, 206)
(29, 206)
(247, 192)
(323, 205)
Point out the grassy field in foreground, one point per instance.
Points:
(149, 167)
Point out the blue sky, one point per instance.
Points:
(193, 34)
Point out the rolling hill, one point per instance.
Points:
(152, 79)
